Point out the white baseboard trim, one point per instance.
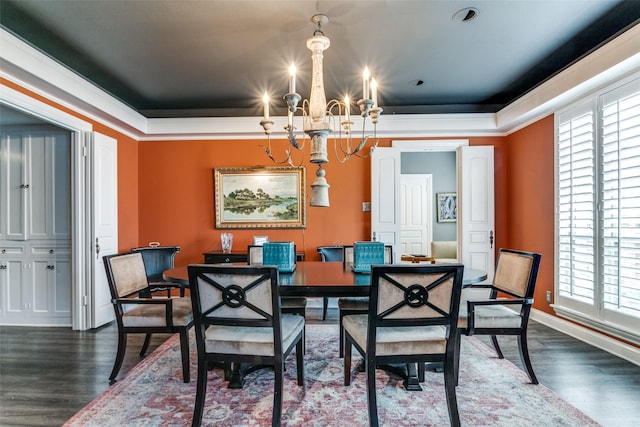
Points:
(603, 342)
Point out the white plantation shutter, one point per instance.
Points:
(598, 211)
(620, 224)
(576, 207)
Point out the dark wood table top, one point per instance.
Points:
(321, 279)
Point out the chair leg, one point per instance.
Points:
(341, 335)
(450, 390)
(278, 390)
(122, 347)
(325, 305)
(184, 349)
(371, 392)
(496, 346)
(300, 361)
(524, 356)
(347, 363)
(456, 356)
(201, 391)
(145, 345)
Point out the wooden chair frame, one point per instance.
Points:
(524, 300)
(415, 296)
(203, 319)
(138, 298)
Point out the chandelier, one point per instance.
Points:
(320, 118)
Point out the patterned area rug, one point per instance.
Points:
(492, 392)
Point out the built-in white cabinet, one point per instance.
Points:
(35, 281)
(35, 181)
(35, 224)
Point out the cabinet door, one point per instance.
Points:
(50, 277)
(14, 187)
(13, 301)
(35, 170)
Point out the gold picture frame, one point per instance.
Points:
(265, 197)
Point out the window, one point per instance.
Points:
(598, 211)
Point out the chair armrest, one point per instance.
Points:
(167, 302)
(471, 308)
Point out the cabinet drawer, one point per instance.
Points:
(11, 251)
(50, 250)
(219, 257)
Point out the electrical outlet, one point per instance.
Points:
(549, 297)
(366, 206)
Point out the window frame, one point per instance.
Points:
(594, 315)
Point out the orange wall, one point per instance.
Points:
(529, 190)
(176, 202)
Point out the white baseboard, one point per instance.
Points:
(604, 342)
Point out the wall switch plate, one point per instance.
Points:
(549, 297)
(366, 206)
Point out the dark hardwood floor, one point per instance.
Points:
(48, 374)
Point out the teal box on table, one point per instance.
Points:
(282, 254)
(366, 254)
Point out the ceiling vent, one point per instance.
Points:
(465, 15)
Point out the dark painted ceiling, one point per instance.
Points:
(215, 58)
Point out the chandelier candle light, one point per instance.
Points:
(321, 119)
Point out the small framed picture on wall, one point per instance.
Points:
(447, 207)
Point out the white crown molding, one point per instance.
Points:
(615, 60)
(393, 126)
(33, 70)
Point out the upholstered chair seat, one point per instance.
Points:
(402, 339)
(491, 316)
(148, 315)
(250, 340)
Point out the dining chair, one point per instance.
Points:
(515, 277)
(356, 305)
(238, 320)
(292, 305)
(156, 260)
(138, 312)
(329, 254)
(412, 318)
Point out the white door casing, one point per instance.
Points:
(475, 197)
(417, 220)
(104, 233)
(476, 208)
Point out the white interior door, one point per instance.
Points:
(476, 210)
(104, 235)
(416, 230)
(385, 197)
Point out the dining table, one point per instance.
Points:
(320, 279)
(326, 279)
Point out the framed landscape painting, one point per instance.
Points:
(447, 207)
(260, 197)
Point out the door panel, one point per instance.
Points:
(104, 237)
(416, 225)
(385, 195)
(476, 208)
